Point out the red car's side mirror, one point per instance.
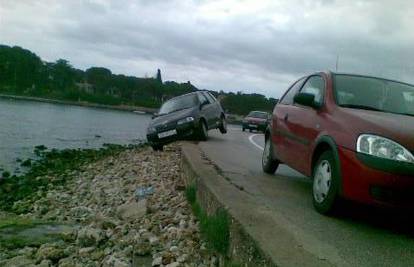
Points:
(306, 99)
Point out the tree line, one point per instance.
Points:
(24, 73)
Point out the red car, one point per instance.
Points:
(354, 135)
(255, 120)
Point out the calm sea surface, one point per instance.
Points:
(26, 124)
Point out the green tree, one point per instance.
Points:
(24, 73)
(100, 78)
(62, 75)
(159, 79)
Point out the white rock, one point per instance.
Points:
(84, 252)
(18, 261)
(115, 262)
(67, 262)
(44, 263)
(133, 210)
(90, 236)
(173, 264)
(182, 258)
(49, 252)
(183, 224)
(27, 251)
(174, 249)
(154, 240)
(142, 231)
(157, 261)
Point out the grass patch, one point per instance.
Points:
(18, 232)
(232, 264)
(215, 229)
(16, 242)
(5, 174)
(13, 239)
(191, 193)
(9, 228)
(16, 222)
(26, 163)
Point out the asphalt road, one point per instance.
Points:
(356, 236)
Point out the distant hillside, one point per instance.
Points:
(24, 73)
(244, 103)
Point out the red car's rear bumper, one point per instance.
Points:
(383, 182)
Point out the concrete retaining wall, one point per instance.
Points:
(211, 187)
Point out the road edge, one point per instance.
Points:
(257, 237)
(196, 169)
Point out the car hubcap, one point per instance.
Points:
(266, 153)
(224, 123)
(322, 181)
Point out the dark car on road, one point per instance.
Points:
(187, 116)
(255, 120)
(354, 135)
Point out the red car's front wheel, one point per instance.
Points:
(325, 183)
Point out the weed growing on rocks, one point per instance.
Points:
(190, 193)
(214, 228)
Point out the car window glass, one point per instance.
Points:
(315, 85)
(209, 98)
(212, 96)
(202, 98)
(178, 103)
(288, 97)
(374, 93)
(256, 114)
(410, 102)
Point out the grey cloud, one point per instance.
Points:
(254, 52)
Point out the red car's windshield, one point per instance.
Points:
(374, 94)
(257, 114)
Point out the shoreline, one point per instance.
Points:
(136, 214)
(135, 109)
(231, 118)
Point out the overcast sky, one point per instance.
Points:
(250, 46)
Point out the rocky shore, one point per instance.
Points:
(124, 210)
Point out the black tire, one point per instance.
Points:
(223, 125)
(250, 130)
(158, 147)
(243, 129)
(269, 165)
(325, 193)
(202, 131)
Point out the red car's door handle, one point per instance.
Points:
(286, 117)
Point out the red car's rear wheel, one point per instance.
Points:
(269, 164)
